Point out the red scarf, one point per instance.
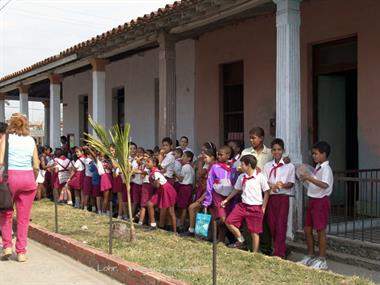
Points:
(274, 169)
(225, 166)
(246, 178)
(151, 174)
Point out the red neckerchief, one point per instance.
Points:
(225, 166)
(246, 178)
(274, 169)
(62, 157)
(154, 170)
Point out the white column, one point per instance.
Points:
(46, 122)
(288, 97)
(24, 100)
(99, 90)
(167, 96)
(55, 111)
(2, 107)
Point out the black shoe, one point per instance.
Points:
(151, 228)
(287, 253)
(267, 251)
(180, 230)
(187, 234)
(238, 245)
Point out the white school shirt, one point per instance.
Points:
(63, 166)
(146, 177)
(79, 164)
(177, 167)
(284, 174)
(136, 178)
(158, 176)
(87, 161)
(253, 188)
(323, 173)
(188, 174)
(168, 163)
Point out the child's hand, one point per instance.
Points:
(263, 210)
(279, 185)
(304, 177)
(223, 203)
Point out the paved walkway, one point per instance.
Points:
(344, 269)
(47, 266)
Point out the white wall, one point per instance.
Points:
(185, 90)
(136, 74)
(72, 87)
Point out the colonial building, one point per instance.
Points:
(212, 69)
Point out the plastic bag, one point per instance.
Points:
(202, 224)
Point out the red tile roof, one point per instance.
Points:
(177, 5)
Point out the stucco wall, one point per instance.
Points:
(73, 87)
(254, 42)
(136, 74)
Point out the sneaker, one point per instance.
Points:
(93, 209)
(151, 228)
(7, 252)
(320, 264)
(187, 234)
(21, 257)
(238, 245)
(307, 260)
(70, 203)
(120, 217)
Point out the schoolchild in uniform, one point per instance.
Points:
(219, 186)
(186, 180)
(281, 178)
(167, 160)
(164, 198)
(77, 176)
(252, 184)
(317, 213)
(147, 188)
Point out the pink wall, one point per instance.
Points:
(254, 42)
(343, 18)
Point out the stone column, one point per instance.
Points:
(24, 102)
(288, 94)
(46, 122)
(2, 107)
(55, 111)
(99, 90)
(167, 96)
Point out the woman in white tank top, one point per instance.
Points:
(23, 166)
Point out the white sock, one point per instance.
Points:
(153, 224)
(191, 230)
(241, 239)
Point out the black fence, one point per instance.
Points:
(355, 205)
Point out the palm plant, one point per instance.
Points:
(120, 138)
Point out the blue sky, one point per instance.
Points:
(32, 30)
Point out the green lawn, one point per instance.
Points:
(185, 259)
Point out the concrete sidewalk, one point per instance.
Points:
(344, 269)
(46, 266)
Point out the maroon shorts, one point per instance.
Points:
(117, 184)
(184, 196)
(135, 193)
(317, 213)
(95, 191)
(217, 210)
(251, 214)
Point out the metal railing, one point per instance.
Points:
(355, 205)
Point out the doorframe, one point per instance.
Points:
(315, 72)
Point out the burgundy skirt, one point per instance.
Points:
(184, 196)
(76, 181)
(55, 180)
(146, 194)
(87, 185)
(135, 193)
(117, 184)
(105, 182)
(165, 197)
